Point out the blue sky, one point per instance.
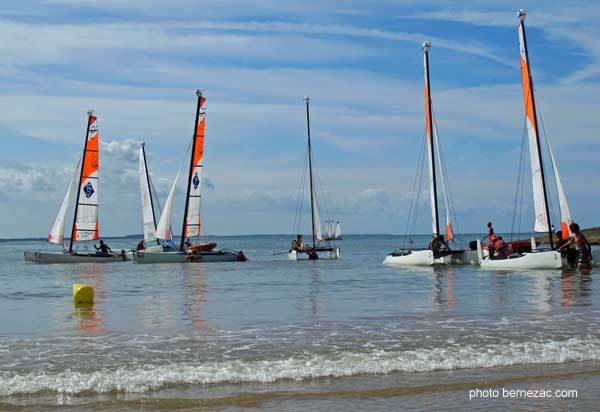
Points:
(361, 63)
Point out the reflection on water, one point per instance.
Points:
(314, 291)
(87, 319)
(576, 288)
(441, 273)
(195, 294)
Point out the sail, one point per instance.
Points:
(444, 182)
(86, 219)
(338, 231)
(147, 207)
(316, 216)
(430, 142)
(192, 223)
(163, 229)
(57, 234)
(539, 197)
(565, 213)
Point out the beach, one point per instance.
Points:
(269, 334)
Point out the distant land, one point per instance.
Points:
(592, 235)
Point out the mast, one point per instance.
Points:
(87, 133)
(428, 114)
(192, 167)
(149, 188)
(534, 122)
(312, 211)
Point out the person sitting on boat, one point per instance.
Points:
(437, 243)
(570, 252)
(297, 244)
(103, 249)
(585, 249)
(141, 245)
(500, 247)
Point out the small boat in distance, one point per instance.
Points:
(85, 218)
(536, 259)
(439, 252)
(318, 250)
(187, 252)
(333, 230)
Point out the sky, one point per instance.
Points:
(138, 66)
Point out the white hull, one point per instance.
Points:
(333, 254)
(158, 254)
(534, 260)
(65, 257)
(416, 258)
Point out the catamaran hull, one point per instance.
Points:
(536, 260)
(180, 257)
(333, 254)
(60, 257)
(416, 258)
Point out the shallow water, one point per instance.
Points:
(166, 336)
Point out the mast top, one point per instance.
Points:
(522, 14)
(199, 92)
(306, 99)
(426, 46)
(90, 112)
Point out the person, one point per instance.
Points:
(570, 252)
(491, 236)
(437, 242)
(103, 249)
(187, 244)
(585, 249)
(500, 247)
(297, 243)
(141, 245)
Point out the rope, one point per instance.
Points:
(416, 190)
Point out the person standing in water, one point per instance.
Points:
(585, 249)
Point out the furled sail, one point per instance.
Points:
(147, 206)
(539, 197)
(192, 223)
(86, 219)
(338, 231)
(57, 234)
(163, 229)
(430, 143)
(565, 213)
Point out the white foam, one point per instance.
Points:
(136, 379)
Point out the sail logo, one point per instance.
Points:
(196, 181)
(88, 189)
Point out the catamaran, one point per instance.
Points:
(432, 255)
(320, 247)
(85, 218)
(187, 252)
(333, 230)
(536, 259)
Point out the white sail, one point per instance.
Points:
(86, 219)
(163, 229)
(338, 231)
(430, 144)
(444, 182)
(565, 212)
(57, 234)
(317, 216)
(539, 199)
(146, 196)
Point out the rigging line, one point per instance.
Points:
(300, 203)
(413, 195)
(416, 195)
(452, 211)
(519, 180)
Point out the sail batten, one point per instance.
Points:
(57, 233)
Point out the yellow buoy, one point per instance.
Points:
(82, 293)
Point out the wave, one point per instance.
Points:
(153, 377)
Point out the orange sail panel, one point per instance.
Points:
(86, 221)
(539, 199)
(192, 224)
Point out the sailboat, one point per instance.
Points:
(536, 259)
(427, 257)
(315, 250)
(164, 252)
(85, 218)
(333, 230)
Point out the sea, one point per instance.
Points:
(276, 335)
